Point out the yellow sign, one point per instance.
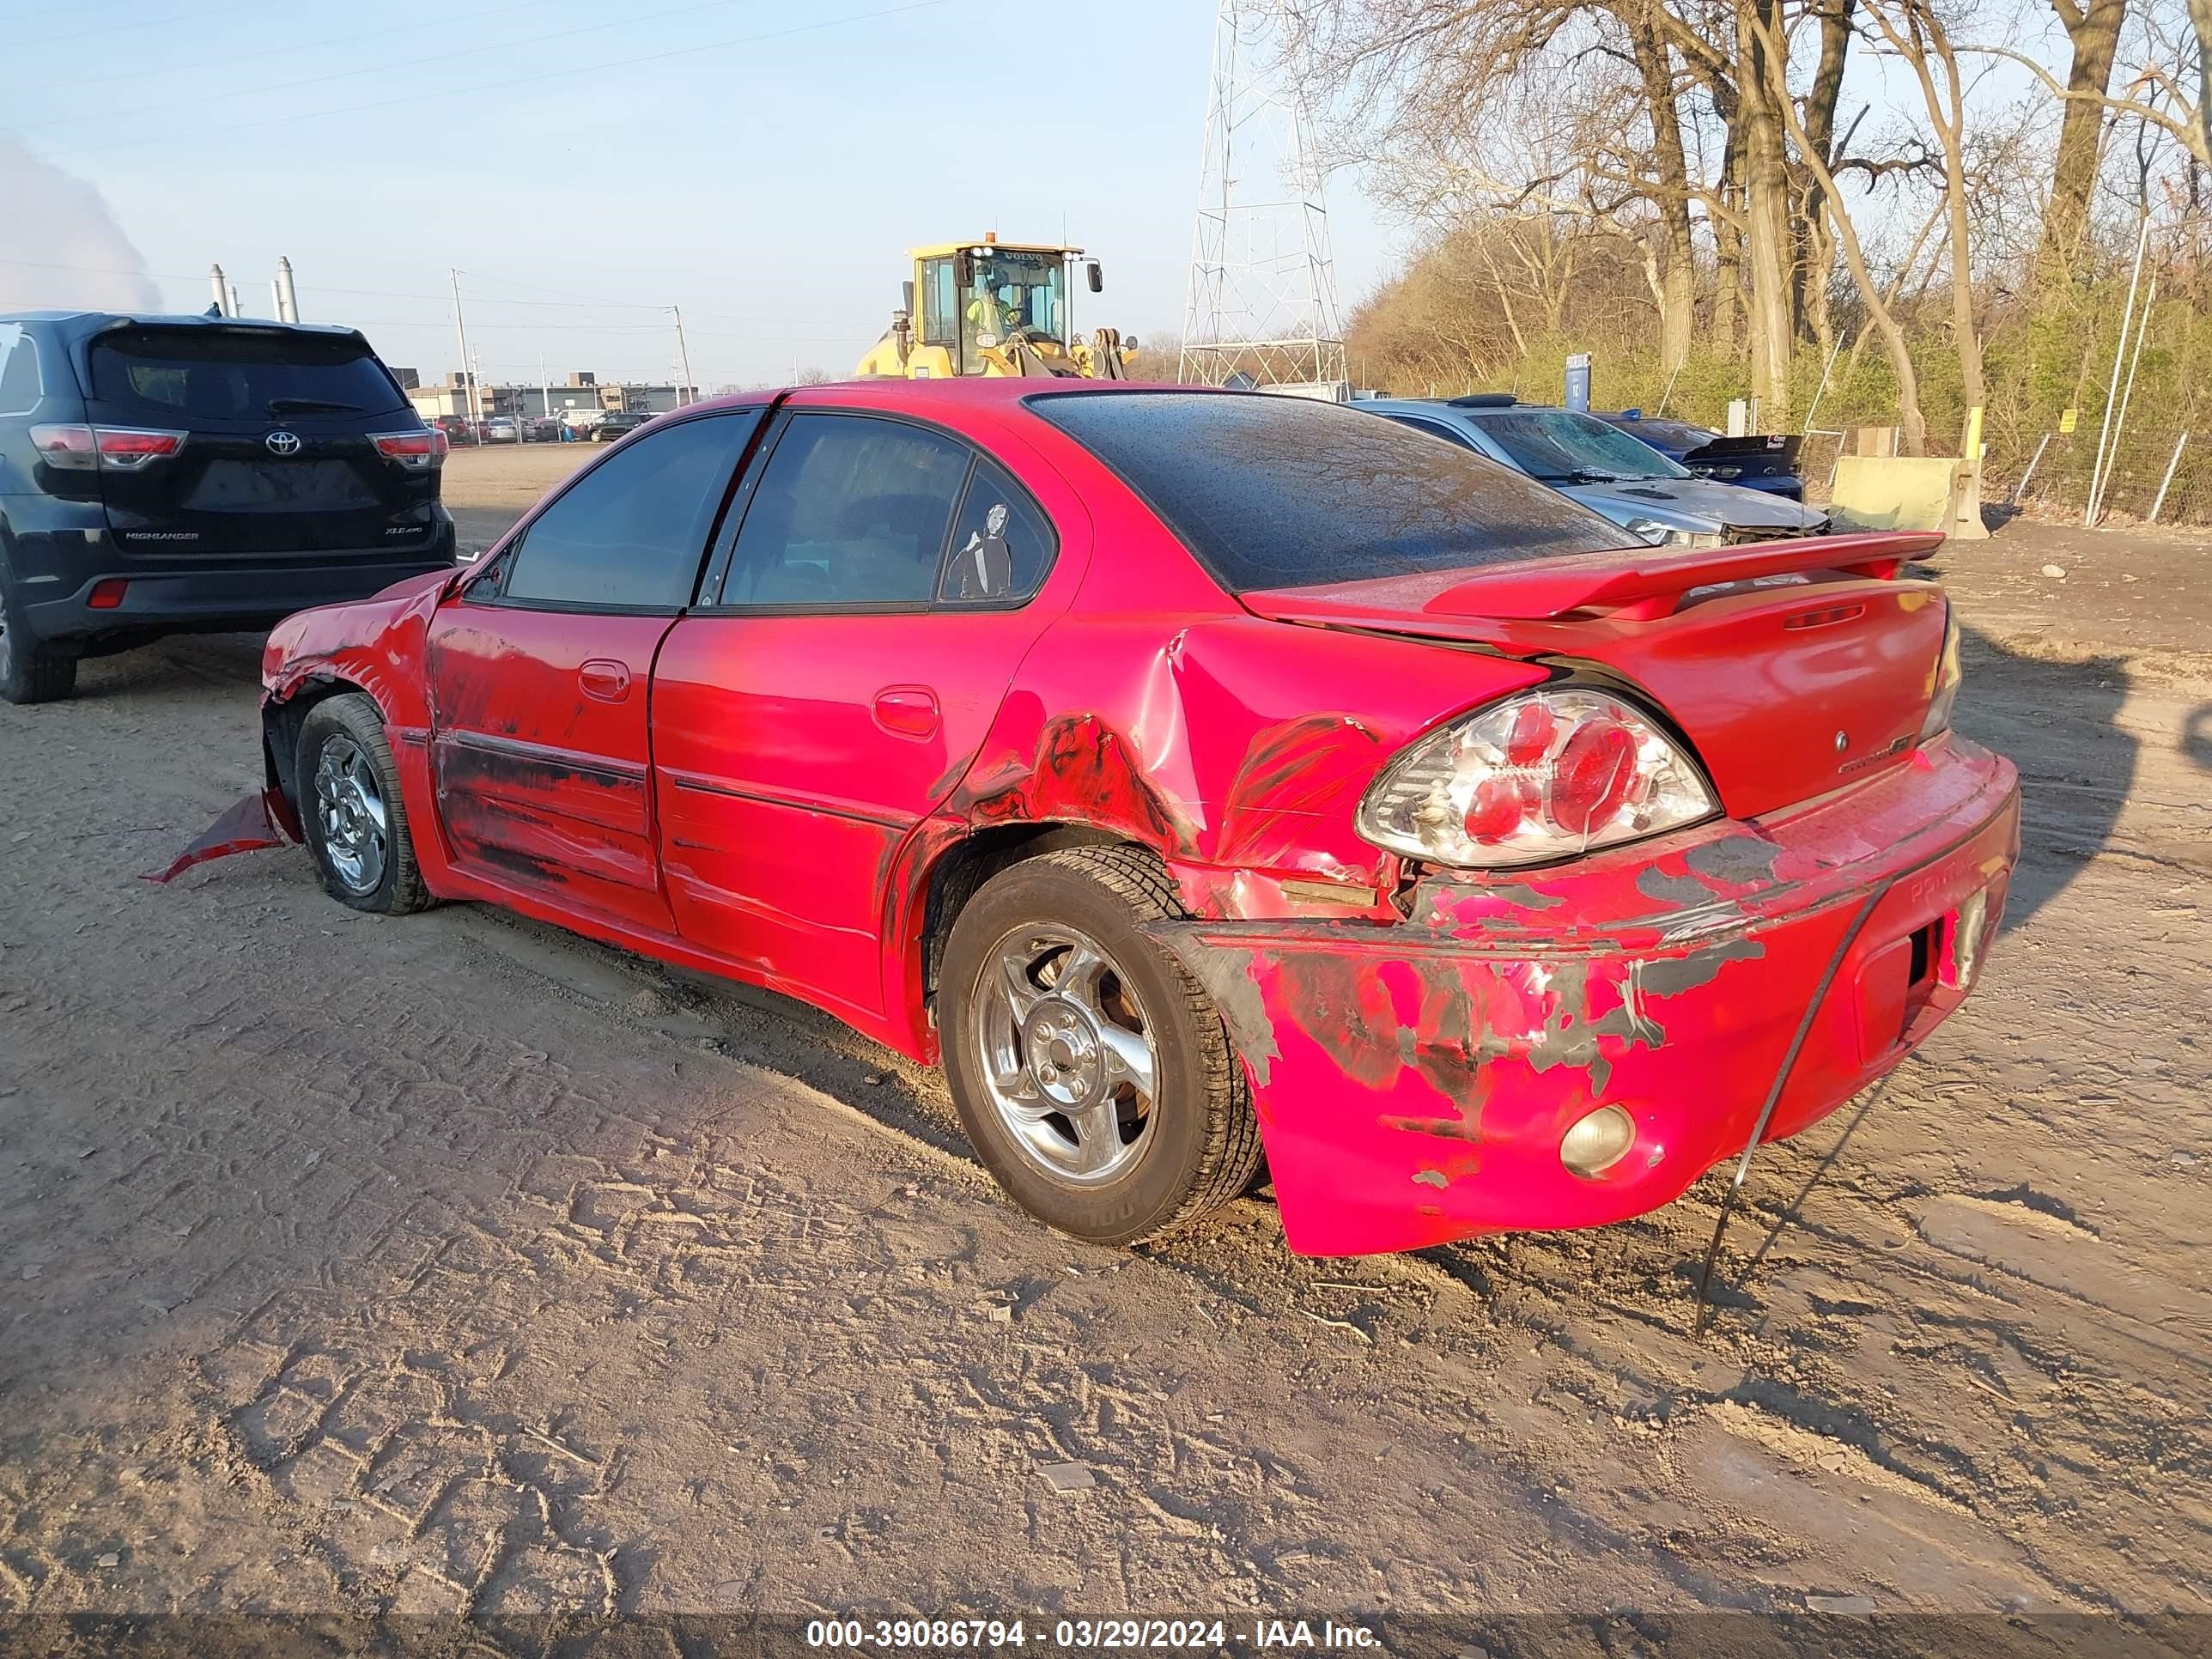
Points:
(2066, 419)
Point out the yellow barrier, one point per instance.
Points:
(1900, 492)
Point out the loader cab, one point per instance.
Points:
(977, 298)
(974, 308)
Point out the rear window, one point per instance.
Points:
(225, 375)
(1272, 491)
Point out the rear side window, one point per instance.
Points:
(631, 532)
(850, 511)
(240, 374)
(1272, 491)
(20, 390)
(1000, 543)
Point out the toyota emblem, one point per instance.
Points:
(283, 443)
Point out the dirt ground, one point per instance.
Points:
(449, 1264)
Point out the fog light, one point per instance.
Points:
(1597, 1142)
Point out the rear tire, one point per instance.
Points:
(31, 670)
(351, 812)
(1052, 996)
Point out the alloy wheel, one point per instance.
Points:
(350, 809)
(1068, 1057)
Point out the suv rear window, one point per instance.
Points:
(1271, 491)
(222, 375)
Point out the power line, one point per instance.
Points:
(623, 21)
(113, 28)
(442, 19)
(475, 297)
(549, 74)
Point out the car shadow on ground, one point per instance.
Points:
(2059, 723)
(228, 663)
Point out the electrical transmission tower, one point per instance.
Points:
(1262, 281)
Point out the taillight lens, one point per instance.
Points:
(1542, 777)
(120, 448)
(130, 447)
(417, 450)
(70, 449)
(1947, 675)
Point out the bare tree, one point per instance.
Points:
(1913, 30)
(2093, 31)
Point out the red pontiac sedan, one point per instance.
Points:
(1196, 775)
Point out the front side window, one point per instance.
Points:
(1434, 429)
(850, 511)
(1000, 544)
(631, 531)
(20, 390)
(1557, 445)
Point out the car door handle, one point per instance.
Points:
(604, 679)
(907, 711)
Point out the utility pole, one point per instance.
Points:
(682, 357)
(544, 386)
(221, 293)
(468, 374)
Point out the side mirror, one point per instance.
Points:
(1092, 275)
(906, 296)
(963, 270)
(1128, 343)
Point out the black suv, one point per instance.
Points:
(169, 475)
(618, 424)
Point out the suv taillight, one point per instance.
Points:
(119, 448)
(416, 450)
(1542, 777)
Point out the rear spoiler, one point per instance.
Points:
(1770, 446)
(1639, 584)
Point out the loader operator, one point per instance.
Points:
(988, 314)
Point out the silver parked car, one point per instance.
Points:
(1604, 468)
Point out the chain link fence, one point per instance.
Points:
(2162, 475)
(1816, 462)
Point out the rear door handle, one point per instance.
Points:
(604, 679)
(907, 711)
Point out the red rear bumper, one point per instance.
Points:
(1413, 1082)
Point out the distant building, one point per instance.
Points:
(581, 390)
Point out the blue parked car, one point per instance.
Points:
(1765, 461)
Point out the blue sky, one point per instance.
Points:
(770, 186)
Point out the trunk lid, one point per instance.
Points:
(1794, 668)
(276, 454)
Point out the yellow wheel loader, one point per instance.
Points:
(989, 308)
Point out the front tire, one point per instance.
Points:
(1093, 1074)
(351, 811)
